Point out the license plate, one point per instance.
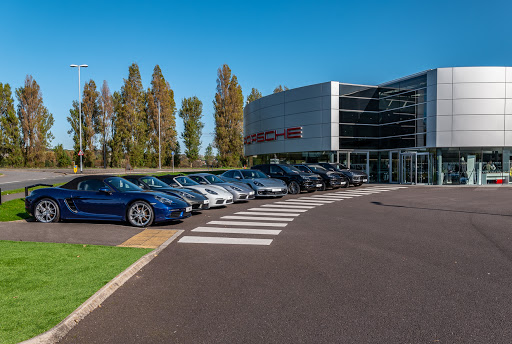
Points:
(188, 209)
(365, 180)
(206, 201)
(276, 190)
(318, 185)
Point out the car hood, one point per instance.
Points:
(269, 182)
(202, 188)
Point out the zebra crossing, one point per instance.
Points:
(275, 215)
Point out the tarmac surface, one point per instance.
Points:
(413, 265)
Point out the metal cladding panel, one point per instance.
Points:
(305, 105)
(432, 92)
(508, 106)
(444, 123)
(432, 108)
(444, 75)
(478, 138)
(444, 91)
(508, 138)
(444, 139)
(271, 112)
(478, 106)
(431, 138)
(264, 148)
(332, 116)
(485, 90)
(305, 145)
(431, 124)
(478, 122)
(432, 77)
(508, 74)
(508, 122)
(508, 90)
(302, 119)
(306, 92)
(479, 74)
(444, 107)
(271, 100)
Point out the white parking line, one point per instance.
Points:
(280, 209)
(260, 213)
(329, 196)
(237, 230)
(288, 206)
(226, 241)
(257, 218)
(250, 223)
(348, 194)
(297, 203)
(317, 199)
(305, 199)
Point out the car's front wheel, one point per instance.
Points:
(293, 188)
(47, 210)
(140, 214)
(323, 187)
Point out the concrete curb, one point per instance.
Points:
(60, 330)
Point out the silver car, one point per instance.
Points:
(263, 185)
(240, 191)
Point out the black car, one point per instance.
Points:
(355, 177)
(296, 180)
(196, 200)
(331, 179)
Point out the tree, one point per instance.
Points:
(228, 107)
(208, 155)
(160, 101)
(90, 116)
(280, 89)
(255, 94)
(61, 156)
(74, 120)
(10, 139)
(119, 135)
(191, 112)
(104, 121)
(36, 122)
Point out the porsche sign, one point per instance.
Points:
(272, 135)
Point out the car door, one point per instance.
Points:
(92, 203)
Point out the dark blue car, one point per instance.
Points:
(104, 198)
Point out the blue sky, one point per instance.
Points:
(266, 43)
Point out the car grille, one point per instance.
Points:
(196, 206)
(219, 201)
(357, 179)
(229, 201)
(177, 213)
(242, 197)
(270, 192)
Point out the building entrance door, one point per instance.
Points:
(415, 168)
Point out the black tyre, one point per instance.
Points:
(323, 187)
(140, 214)
(47, 210)
(347, 184)
(293, 188)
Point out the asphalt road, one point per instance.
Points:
(415, 265)
(15, 179)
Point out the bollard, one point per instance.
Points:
(0, 196)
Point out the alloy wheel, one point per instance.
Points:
(140, 214)
(46, 211)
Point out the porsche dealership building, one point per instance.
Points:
(440, 126)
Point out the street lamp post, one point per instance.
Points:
(159, 147)
(80, 109)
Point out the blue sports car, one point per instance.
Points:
(104, 198)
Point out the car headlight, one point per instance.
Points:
(211, 192)
(163, 200)
(236, 188)
(258, 184)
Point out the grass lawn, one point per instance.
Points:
(13, 210)
(42, 283)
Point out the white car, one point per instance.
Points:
(217, 195)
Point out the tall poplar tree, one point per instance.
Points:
(10, 139)
(104, 121)
(255, 94)
(191, 112)
(90, 115)
(119, 134)
(228, 113)
(280, 89)
(36, 122)
(160, 101)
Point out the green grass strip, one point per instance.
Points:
(12, 211)
(42, 283)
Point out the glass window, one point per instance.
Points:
(90, 185)
(362, 104)
(290, 169)
(213, 179)
(302, 168)
(122, 185)
(186, 181)
(228, 174)
(275, 169)
(154, 182)
(250, 174)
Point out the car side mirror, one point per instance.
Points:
(105, 190)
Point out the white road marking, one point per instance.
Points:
(321, 200)
(250, 223)
(226, 241)
(257, 218)
(297, 203)
(328, 196)
(345, 193)
(288, 206)
(305, 199)
(237, 230)
(280, 209)
(259, 213)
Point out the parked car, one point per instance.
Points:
(240, 191)
(331, 179)
(263, 185)
(104, 198)
(217, 195)
(355, 177)
(196, 200)
(296, 180)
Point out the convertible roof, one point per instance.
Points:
(136, 176)
(72, 184)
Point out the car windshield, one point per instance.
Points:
(290, 169)
(317, 168)
(154, 183)
(122, 185)
(341, 167)
(186, 181)
(213, 179)
(251, 174)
